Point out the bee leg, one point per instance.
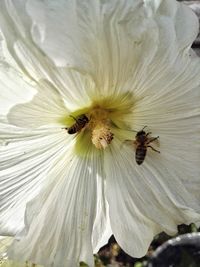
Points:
(154, 149)
(152, 139)
(148, 133)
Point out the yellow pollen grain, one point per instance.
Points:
(99, 125)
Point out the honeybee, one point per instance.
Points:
(80, 123)
(142, 141)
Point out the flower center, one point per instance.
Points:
(102, 121)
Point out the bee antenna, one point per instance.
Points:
(144, 127)
(73, 117)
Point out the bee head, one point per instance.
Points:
(140, 133)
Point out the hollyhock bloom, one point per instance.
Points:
(107, 68)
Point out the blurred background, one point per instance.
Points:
(183, 250)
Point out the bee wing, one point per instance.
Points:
(157, 142)
(128, 142)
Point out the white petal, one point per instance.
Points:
(15, 35)
(178, 28)
(108, 40)
(185, 21)
(171, 64)
(25, 159)
(46, 108)
(171, 103)
(120, 45)
(187, 29)
(20, 49)
(15, 26)
(123, 40)
(101, 229)
(59, 222)
(77, 88)
(171, 111)
(169, 90)
(150, 198)
(10, 80)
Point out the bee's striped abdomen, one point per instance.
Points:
(140, 154)
(80, 123)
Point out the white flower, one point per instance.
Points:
(124, 65)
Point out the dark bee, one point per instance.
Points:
(80, 123)
(142, 141)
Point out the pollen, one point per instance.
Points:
(100, 126)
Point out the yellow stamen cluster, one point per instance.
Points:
(99, 125)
